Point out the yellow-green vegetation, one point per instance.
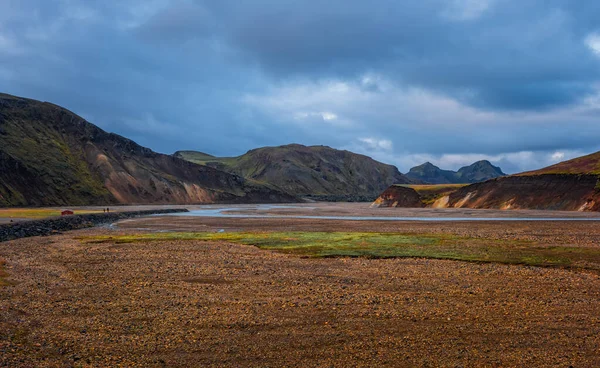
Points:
(425, 188)
(432, 192)
(203, 158)
(36, 213)
(3, 273)
(386, 245)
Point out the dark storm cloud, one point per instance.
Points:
(515, 55)
(390, 78)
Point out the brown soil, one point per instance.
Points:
(195, 303)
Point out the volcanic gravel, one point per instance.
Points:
(211, 304)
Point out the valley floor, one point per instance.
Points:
(131, 296)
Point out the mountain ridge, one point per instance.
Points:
(315, 171)
(588, 164)
(478, 171)
(51, 156)
(572, 185)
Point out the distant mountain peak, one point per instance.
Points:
(478, 171)
(482, 165)
(181, 153)
(426, 165)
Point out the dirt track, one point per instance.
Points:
(213, 304)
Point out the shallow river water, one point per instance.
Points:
(237, 212)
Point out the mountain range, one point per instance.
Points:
(50, 156)
(477, 172)
(319, 172)
(572, 185)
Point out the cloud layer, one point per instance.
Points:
(516, 82)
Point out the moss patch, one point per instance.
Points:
(387, 245)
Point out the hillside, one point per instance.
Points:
(398, 196)
(572, 185)
(318, 171)
(476, 172)
(50, 156)
(589, 164)
(566, 192)
(419, 195)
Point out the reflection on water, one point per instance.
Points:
(231, 212)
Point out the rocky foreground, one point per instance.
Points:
(188, 303)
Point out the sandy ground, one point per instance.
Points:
(364, 209)
(193, 303)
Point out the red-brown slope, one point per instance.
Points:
(542, 192)
(398, 196)
(571, 185)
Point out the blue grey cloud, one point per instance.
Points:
(505, 79)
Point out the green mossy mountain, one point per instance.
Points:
(315, 171)
(50, 156)
(477, 172)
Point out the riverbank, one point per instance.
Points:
(56, 225)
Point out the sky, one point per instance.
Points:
(516, 82)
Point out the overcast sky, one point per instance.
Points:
(447, 81)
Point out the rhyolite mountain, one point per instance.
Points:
(572, 185)
(50, 156)
(320, 172)
(476, 172)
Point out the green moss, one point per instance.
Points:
(387, 245)
(50, 163)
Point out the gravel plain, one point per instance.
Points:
(214, 304)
